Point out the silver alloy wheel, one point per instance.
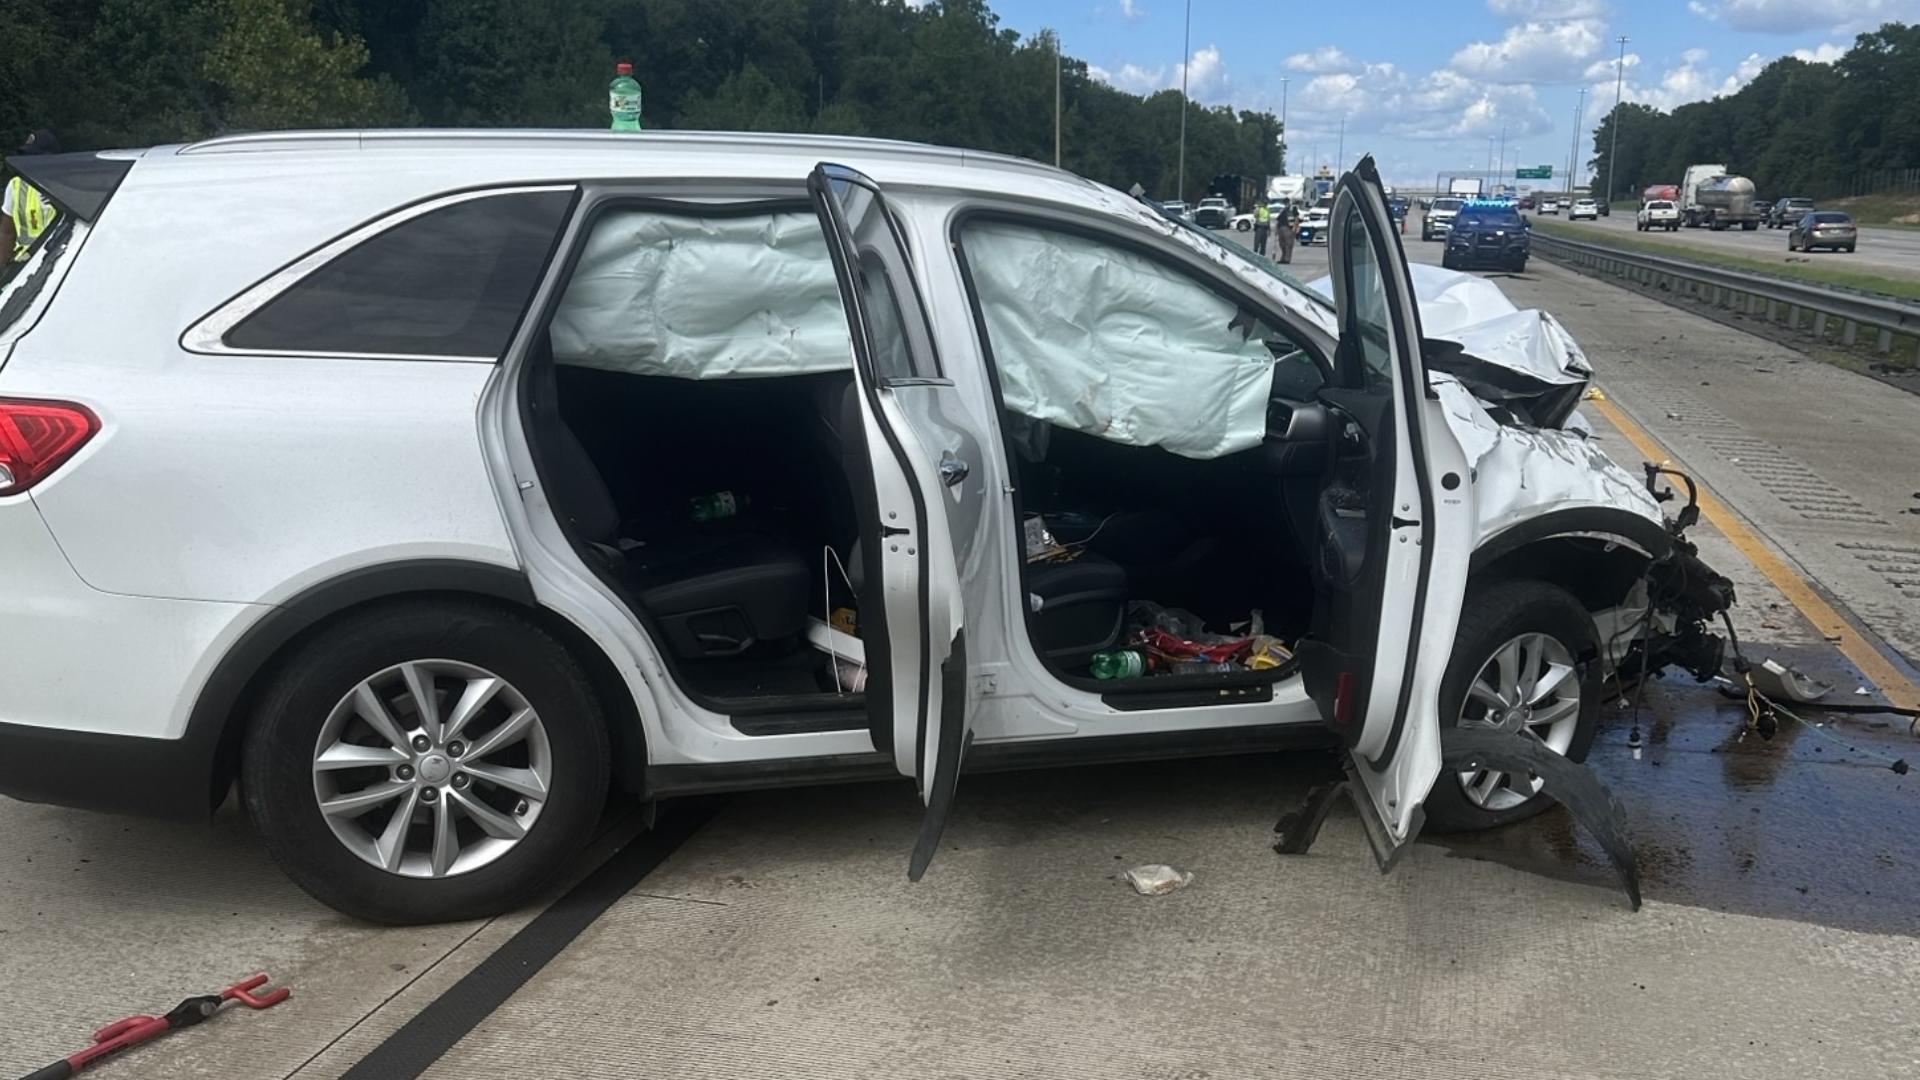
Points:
(1528, 685)
(432, 768)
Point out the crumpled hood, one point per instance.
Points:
(1509, 382)
(1520, 360)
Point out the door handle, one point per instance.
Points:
(952, 469)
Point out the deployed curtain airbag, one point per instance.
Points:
(1098, 339)
(716, 297)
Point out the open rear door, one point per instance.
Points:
(1395, 535)
(910, 603)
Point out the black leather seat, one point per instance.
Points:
(713, 591)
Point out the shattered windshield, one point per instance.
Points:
(1247, 254)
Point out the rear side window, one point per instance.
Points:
(451, 282)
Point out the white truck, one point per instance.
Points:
(1710, 196)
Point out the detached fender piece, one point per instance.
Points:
(1572, 785)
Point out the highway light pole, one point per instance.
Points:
(1284, 133)
(1186, 61)
(1340, 156)
(1573, 151)
(1056, 99)
(1500, 178)
(1619, 78)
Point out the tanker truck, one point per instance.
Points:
(1717, 200)
(1661, 192)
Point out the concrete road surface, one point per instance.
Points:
(1887, 252)
(781, 939)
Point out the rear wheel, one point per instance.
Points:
(1522, 662)
(426, 763)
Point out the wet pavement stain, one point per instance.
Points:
(1795, 827)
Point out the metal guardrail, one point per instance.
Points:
(1802, 307)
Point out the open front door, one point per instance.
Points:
(1395, 530)
(910, 604)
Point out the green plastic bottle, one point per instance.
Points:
(623, 98)
(1118, 664)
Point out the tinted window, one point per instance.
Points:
(1447, 204)
(451, 282)
(1365, 331)
(898, 344)
(1831, 218)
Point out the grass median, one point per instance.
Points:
(1816, 271)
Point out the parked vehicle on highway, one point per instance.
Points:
(1177, 209)
(1550, 205)
(1212, 213)
(1439, 217)
(1583, 208)
(1487, 233)
(1823, 229)
(1787, 212)
(1315, 225)
(1658, 214)
(428, 510)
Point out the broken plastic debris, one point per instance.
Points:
(1776, 680)
(1158, 879)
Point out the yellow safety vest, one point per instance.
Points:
(32, 213)
(1261, 214)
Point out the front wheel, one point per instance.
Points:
(426, 762)
(1524, 661)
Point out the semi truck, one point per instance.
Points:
(1661, 193)
(1239, 191)
(1710, 196)
(1466, 187)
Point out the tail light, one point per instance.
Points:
(36, 437)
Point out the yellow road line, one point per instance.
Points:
(1889, 678)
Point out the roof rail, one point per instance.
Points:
(448, 138)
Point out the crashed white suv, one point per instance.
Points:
(523, 463)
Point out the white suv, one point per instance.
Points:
(523, 463)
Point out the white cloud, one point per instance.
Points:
(1792, 16)
(1548, 9)
(1533, 52)
(1824, 53)
(1129, 9)
(1207, 79)
(1692, 79)
(1206, 75)
(1324, 58)
(1132, 78)
(1383, 99)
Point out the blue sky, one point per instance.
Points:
(1422, 85)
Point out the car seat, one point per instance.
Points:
(1077, 608)
(711, 591)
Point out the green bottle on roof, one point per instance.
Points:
(623, 97)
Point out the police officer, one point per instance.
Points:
(1284, 231)
(1261, 219)
(24, 212)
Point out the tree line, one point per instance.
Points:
(1798, 128)
(105, 73)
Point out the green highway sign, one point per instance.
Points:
(1538, 172)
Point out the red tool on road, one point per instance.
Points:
(135, 1030)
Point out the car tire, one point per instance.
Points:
(1850, 248)
(1520, 266)
(557, 764)
(1495, 617)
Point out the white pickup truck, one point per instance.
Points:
(1657, 214)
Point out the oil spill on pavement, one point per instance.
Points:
(1795, 827)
